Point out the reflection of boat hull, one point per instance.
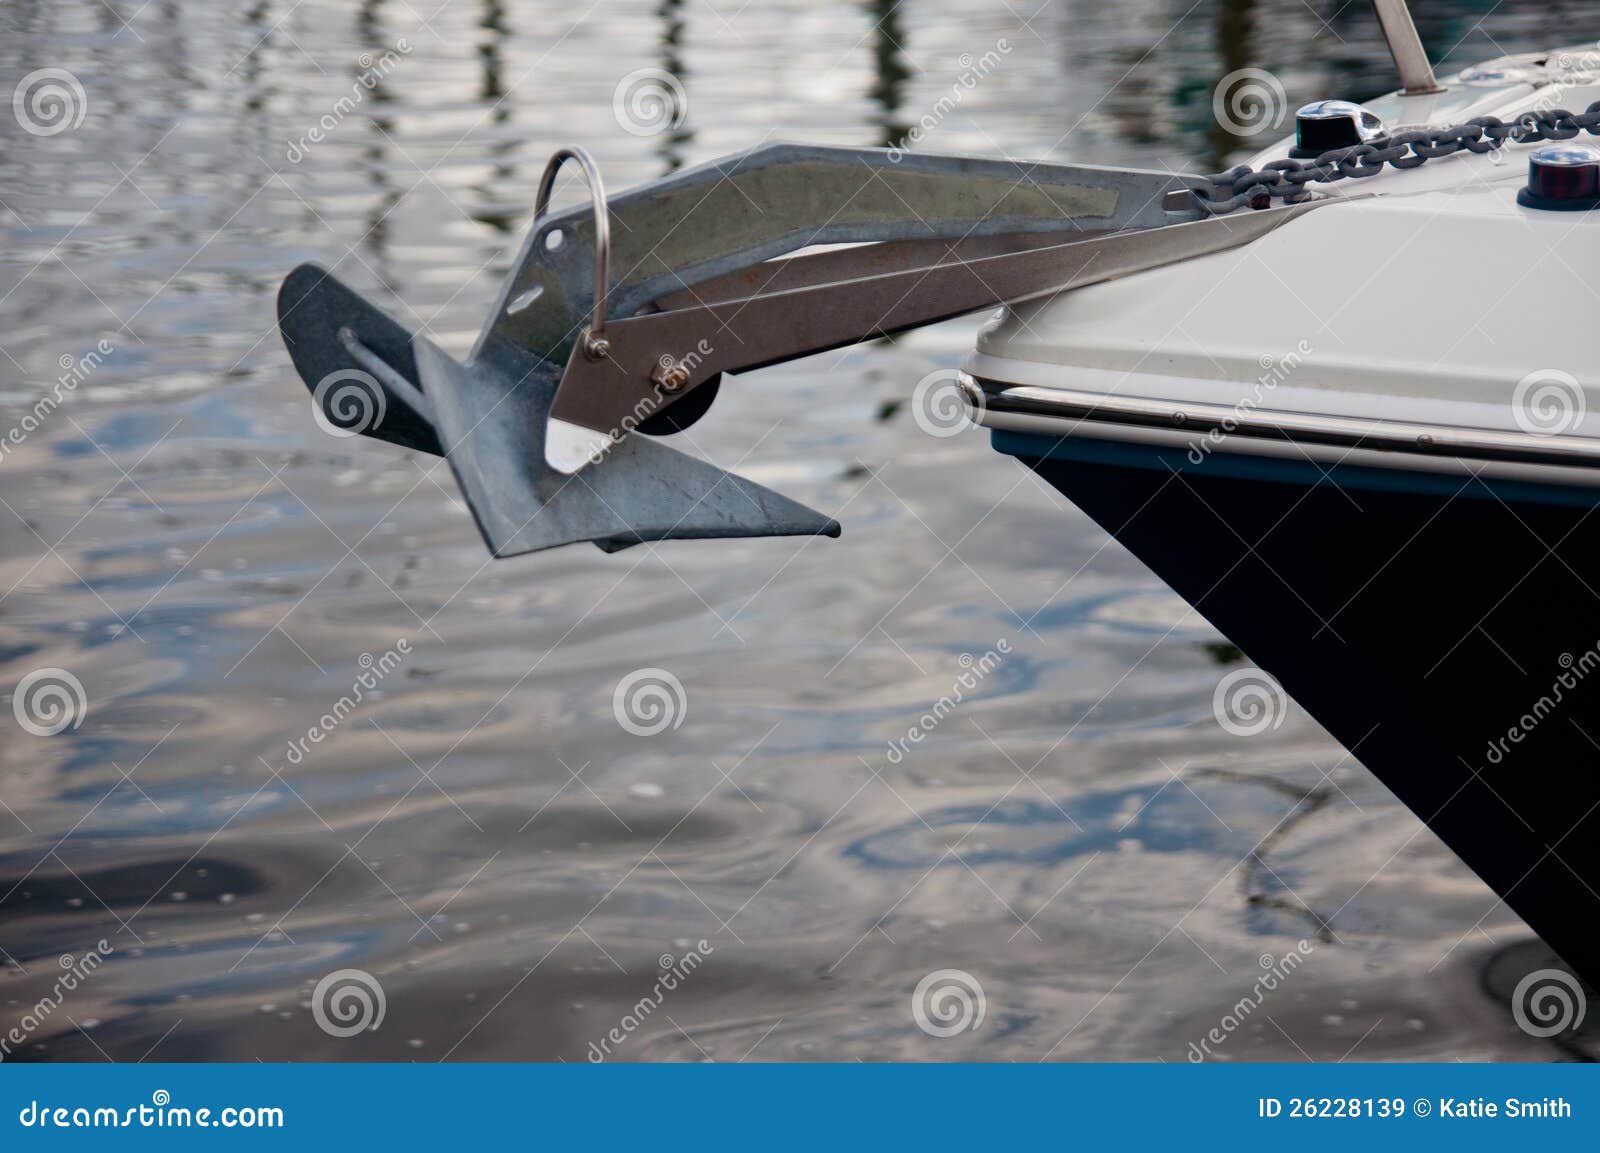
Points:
(1446, 636)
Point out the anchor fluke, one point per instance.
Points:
(493, 424)
(369, 375)
(314, 307)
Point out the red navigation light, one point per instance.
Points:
(1562, 176)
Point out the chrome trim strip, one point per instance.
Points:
(1203, 420)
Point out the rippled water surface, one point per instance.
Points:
(479, 834)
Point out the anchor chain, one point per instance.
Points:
(1286, 180)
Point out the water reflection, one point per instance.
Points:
(1028, 832)
(889, 72)
(1235, 51)
(676, 136)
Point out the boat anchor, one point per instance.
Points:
(622, 319)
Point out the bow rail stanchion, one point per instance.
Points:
(620, 318)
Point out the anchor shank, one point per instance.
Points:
(610, 396)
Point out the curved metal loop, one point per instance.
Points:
(595, 345)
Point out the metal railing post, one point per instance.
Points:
(1416, 74)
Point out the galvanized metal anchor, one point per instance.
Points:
(621, 320)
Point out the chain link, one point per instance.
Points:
(1286, 180)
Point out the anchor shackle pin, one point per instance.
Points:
(595, 345)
